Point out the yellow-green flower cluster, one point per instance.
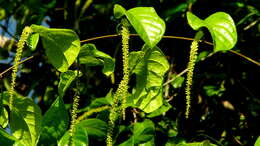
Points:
(25, 34)
(74, 114)
(121, 92)
(191, 64)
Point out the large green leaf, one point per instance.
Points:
(221, 27)
(55, 123)
(80, 137)
(62, 46)
(66, 79)
(150, 73)
(96, 128)
(25, 121)
(90, 56)
(147, 24)
(143, 132)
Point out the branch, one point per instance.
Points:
(5, 71)
(172, 37)
(92, 111)
(167, 37)
(178, 75)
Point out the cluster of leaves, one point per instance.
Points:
(146, 99)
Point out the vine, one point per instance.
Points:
(25, 34)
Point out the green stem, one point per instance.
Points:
(92, 111)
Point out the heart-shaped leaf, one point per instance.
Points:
(221, 27)
(62, 46)
(150, 72)
(147, 24)
(145, 21)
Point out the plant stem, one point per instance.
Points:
(92, 111)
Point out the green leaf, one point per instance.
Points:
(32, 41)
(119, 11)
(150, 73)
(66, 79)
(25, 121)
(211, 90)
(143, 132)
(80, 137)
(221, 27)
(147, 24)
(90, 56)
(55, 123)
(62, 46)
(4, 118)
(177, 83)
(96, 128)
(163, 109)
(5, 138)
(257, 143)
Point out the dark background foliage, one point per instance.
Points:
(225, 107)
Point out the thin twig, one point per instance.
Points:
(92, 111)
(169, 37)
(243, 56)
(100, 37)
(178, 75)
(172, 37)
(5, 71)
